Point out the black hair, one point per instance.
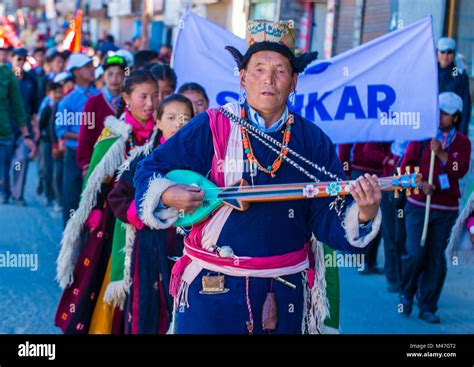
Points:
(165, 73)
(110, 38)
(39, 49)
(149, 66)
(130, 82)
(143, 57)
(195, 87)
(173, 98)
(457, 118)
(51, 85)
(298, 63)
(55, 54)
(66, 54)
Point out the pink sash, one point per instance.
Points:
(268, 267)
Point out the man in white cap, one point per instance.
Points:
(424, 268)
(66, 80)
(452, 77)
(68, 121)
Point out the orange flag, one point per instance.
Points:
(73, 37)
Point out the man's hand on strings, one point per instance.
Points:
(182, 197)
(367, 194)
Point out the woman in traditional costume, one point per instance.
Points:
(141, 271)
(461, 241)
(83, 265)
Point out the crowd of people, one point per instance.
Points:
(412, 269)
(93, 121)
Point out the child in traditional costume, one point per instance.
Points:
(83, 265)
(105, 104)
(141, 271)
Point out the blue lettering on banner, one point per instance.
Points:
(349, 103)
(225, 97)
(315, 103)
(379, 97)
(375, 104)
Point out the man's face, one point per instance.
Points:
(445, 58)
(446, 121)
(57, 64)
(85, 73)
(39, 57)
(268, 80)
(17, 63)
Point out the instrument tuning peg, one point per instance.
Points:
(399, 171)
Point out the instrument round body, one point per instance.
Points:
(210, 201)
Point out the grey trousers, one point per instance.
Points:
(19, 168)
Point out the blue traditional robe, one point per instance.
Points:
(265, 229)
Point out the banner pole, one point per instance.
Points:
(428, 201)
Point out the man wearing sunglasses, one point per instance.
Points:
(23, 149)
(11, 106)
(452, 77)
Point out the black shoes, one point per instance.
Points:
(406, 306)
(393, 288)
(371, 270)
(20, 202)
(429, 317)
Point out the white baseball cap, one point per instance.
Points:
(446, 43)
(127, 55)
(450, 103)
(76, 61)
(61, 77)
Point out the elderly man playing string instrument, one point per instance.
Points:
(253, 270)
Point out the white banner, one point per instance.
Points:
(383, 90)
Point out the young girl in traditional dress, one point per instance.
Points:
(143, 287)
(461, 242)
(83, 265)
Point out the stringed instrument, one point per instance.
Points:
(239, 195)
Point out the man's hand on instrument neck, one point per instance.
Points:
(367, 194)
(183, 197)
